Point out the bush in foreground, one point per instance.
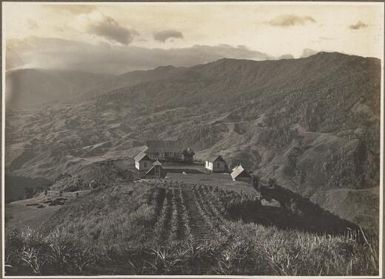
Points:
(247, 251)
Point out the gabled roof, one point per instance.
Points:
(157, 163)
(237, 171)
(141, 156)
(163, 146)
(213, 158)
(151, 171)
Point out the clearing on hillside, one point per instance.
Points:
(169, 227)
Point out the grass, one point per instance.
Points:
(174, 228)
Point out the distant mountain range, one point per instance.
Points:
(31, 88)
(311, 123)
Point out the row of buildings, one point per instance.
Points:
(169, 150)
(149, 160)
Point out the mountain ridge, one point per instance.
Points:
(285, 119)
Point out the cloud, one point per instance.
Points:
(163, 36)
(104, 58)
(358, 25)
(109, 29)
(32, 24)
(327, 38)
(59, 29)
(73, 9)
(290, 20)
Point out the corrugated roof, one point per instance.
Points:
(238, 171)
(163, 146)
(141, 156)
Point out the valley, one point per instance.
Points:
(284, 119)
(311, 125)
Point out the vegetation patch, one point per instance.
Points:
(154, 227)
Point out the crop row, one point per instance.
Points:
(162, 226)
(172, 220)
(209, 211)
(183, 220)
(191, 211)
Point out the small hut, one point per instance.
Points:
(216, 164)
(156, 171)
(240, 174)
(143, 162)
(188, 155)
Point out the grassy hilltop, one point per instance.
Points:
(174, 228)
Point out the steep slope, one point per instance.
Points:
(32, 88)
(311, 123)
(130, 79)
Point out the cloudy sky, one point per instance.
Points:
(115, 38)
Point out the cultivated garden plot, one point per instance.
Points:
(168, 227)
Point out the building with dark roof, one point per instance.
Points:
(240, 174)
(143, 162)
(156, 171)
(188, 155)
(216, 163)
(169, 150)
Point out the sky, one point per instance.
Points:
(119, 37)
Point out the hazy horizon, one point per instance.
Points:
(305, 55)
(116, 38)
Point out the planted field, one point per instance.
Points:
(191, 211)
(169, 227)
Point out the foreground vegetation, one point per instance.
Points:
(170, 228)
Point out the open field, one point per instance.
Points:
(170, 227)
(222, 180)
(176, 167)
(34, 211)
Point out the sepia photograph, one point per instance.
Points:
(186, 139)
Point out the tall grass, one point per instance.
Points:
(249, 250)
(117, 231)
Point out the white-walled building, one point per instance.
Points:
(216, 164)
(143, 162)
(240, 174)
